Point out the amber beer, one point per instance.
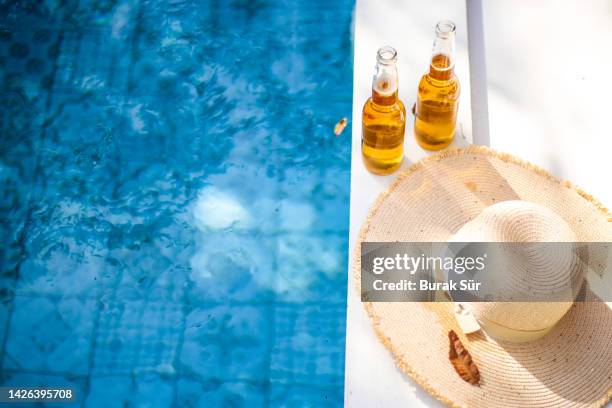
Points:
(383, 118)
(438, 94)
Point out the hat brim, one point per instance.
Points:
(429, 202)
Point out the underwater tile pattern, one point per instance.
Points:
(174, 212)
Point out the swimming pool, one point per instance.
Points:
(175, 204)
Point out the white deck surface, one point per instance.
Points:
(371, 378)
(548, 103)
(548, 65)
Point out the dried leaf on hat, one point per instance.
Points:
(339, 128)
(462, 360)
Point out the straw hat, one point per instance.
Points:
(439, 199)
(531, 270)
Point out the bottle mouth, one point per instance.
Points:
(386, 55)
(445, 29)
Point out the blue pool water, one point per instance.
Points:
(174, 213)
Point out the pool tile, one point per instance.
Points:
(232, 267)
(28, 54)
(51, 335)
(304, 396)
(152, 267)
(120, 118)
(21, 117)
(152, 391)
(157, 285)
(308, 343)
(137, 337)
(148, 390)
(55, 269)
(6, 300)
(227, 342)
(109, 391)
(196, 394)
(102, 64)
(245, 188)
(309, 268)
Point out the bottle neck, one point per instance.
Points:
(441, 67)
(385, 84)
(442, 62)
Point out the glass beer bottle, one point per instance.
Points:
(438, 95)
(384, 118)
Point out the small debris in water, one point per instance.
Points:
(339, 128)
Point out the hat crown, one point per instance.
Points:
(516, 221)
(530, 271)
